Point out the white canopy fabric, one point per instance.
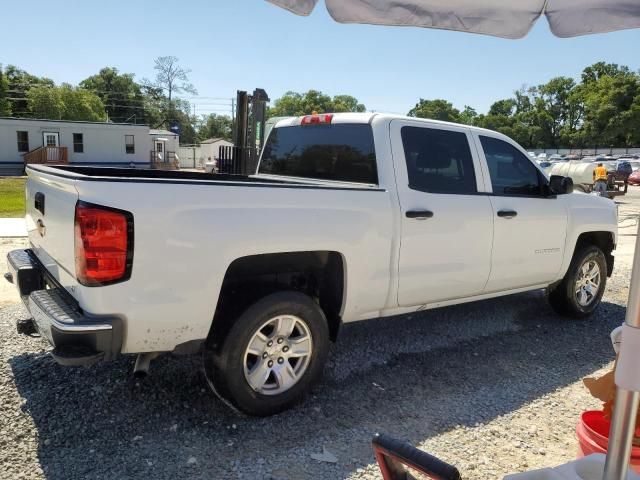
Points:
(500, 18)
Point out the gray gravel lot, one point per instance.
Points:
(493, 386)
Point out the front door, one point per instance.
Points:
(160, 151)
(51, 142)
(50, 139)
(446, 226)
(529, 225)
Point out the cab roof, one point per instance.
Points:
(368, 117)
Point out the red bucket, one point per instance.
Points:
(593, 437)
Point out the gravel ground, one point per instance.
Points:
(493, 387)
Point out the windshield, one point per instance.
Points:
(342, 152)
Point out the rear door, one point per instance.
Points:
(447, 226)
(529, 226)
(50, 210)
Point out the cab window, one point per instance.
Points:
(342, 152)
(438, 161)
(511, 172)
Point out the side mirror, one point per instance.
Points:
(560, 185)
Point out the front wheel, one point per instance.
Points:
(580, 291)
(274, 352)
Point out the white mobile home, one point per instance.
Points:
(78, 143)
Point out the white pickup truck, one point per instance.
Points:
(348, 217)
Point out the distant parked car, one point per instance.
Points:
(635, 164)
(556, 158)
(634, 178)
(545, 165)
(542, 157)
(622, 170)
(532, 154)
(594, 158)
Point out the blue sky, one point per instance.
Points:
(242, 44)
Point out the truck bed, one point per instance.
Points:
(110, 174)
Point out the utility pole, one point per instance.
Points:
(233, 110)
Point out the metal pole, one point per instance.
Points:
(626, 405)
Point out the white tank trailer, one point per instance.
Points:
(582, 175)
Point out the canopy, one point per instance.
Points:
(500, 18)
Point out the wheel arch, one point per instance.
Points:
(604, 240)
(321, 274)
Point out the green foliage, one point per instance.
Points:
(295, 104)
(65, 103)
(107, 95)
(45, 102)
(602, 109)
(435, 109)
(20, 82)
(180, 113)
(215, 126)
(121, 95)
(347, 103)
(468, 116)
(5, 104)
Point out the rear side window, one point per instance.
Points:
(438, 161)
(511, 172)
(342, 152)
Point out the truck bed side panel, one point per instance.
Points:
(186, 236)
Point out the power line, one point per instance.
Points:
(135, 97)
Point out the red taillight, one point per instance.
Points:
(316, 119)
(103, 239)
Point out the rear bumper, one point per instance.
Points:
(77, 337)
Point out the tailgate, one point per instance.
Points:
(51, 202)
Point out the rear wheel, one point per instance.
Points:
(274, 352)
(580, 291)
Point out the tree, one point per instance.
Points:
(80, 104)
(5, 104)
(555, 111)
(171, 77)
(121, 95)
(64, 103)
(435, 109)
(19, 83)
(296, 104)
(595, 72)
(215, 126)
(468, 116)
(182, 116)
(611, 110)
(45, 102)
(503, 108)
(347, 103)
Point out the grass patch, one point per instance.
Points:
(12, 196)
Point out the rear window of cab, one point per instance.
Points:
(340, 152)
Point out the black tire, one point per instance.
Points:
(563, 298)
(225, 366)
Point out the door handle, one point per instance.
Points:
(419, 214)
(507, 213)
